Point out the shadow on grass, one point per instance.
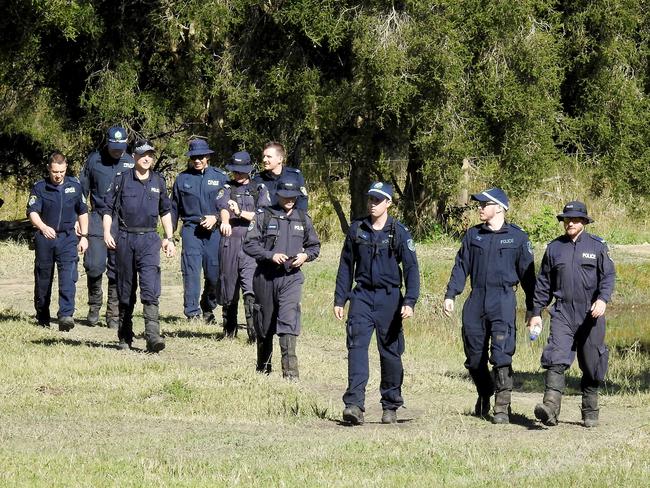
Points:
(11, 315)
(55, 341)
(194, 334)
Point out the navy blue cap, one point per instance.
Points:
(288, 189)
(381, 190)
(575, 209)
(117, 138)
(240, 162)
(199, 147)
(142, 146)
(495, 195)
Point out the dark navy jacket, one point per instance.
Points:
(287, 234)
(493, 260)
(98, 174)
(575, 273)
(58, 205)
(194, 194)
(369, 258)
(270, 180)
(249, 198)
(140, 202)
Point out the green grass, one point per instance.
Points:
(75, 411)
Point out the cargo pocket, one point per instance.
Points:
(258, 320)
(603, 361)
(298, 322)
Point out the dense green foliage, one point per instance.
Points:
(516, 87)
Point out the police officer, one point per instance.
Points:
(497, 255)
(135, 200)
(238, 202)
(281, 239)
(97, 175)
(374, 248)
(54, 206)
(275, 171)
(194, 198)
(578, 272)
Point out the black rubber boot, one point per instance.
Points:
(66, 324)
(502, 395)
(249, 301)
(125, 327)
(94, 299)
(289, 358)
(155, 343)
(112, 306)
(590, 408)
(229, 314)
(485, 389)
(264, 353)
(548, 412)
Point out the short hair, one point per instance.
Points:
(279, 148)
(56, 158)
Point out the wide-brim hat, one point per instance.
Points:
(288, 189)
(199, 147)
(575, 209)
(240, 163)
(494, 195)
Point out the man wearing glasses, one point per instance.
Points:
(497, 255)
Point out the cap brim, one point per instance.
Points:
(121, 146)
(569, 215)
(199, 153)
(288, 193)
(379, 194)
(240, 168)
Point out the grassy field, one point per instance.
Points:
(75, 411)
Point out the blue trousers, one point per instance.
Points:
(138, 256)
(61, 252)
(489, 328)
(97, 258)
(584, 337)
(375, 310)
(277, 301)
(236, 270)
(200, 253)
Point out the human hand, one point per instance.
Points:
(226, 229)
(169, 248)
(83, 244)
(109, 241)
(407, 311)
(209, 221)
(598, 308)
(338, 312)
(48, 232)
(448, 306)
(234, 207)
(279, 258)
(301, 257)
(534, 321)
(77, 229)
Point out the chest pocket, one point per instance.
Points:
(271, 233)
(588, 268)
(508, 250)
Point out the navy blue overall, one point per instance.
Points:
(194, 196)
(237, 267)
(136, 205)
(270, 181)
(576, 274)
(372, 258)
(58, 207)
(495, 261)
(278, 287)
(96, 178)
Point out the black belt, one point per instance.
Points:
(138, 230)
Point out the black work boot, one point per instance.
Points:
(125, 328)
(289, 358)
(94, 299)
(112, 306)
(66, 324)
(389, 416)
(43, 318)
(229, 314)
(249, 301)
(155, 343)
(352, 414)
(590, 408)
(502, 395)
(264, 353)
(549, 410)
(485, 389)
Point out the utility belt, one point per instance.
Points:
(389, 288)
(137, 230)
(508, 288)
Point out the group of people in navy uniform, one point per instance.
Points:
(252, 234)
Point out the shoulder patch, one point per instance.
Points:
(303, 190)
(251, 226)
(411, 245)
(529, 247)
(220, 194)
(32, 200)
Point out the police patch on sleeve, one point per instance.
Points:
(220, 194)
(529, 246)
(411, 245)
(251, 226)
(32, 200)
(303, 190)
